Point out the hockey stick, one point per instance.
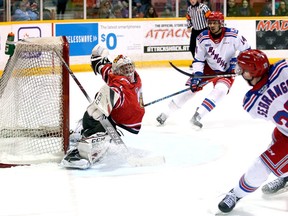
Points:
(138, 161)
(74, 77)
(168, 96)
(204, 76)
(176, 93)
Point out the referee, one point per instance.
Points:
(196, 16)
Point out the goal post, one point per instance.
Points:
(34, 103)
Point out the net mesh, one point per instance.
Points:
(32, 103)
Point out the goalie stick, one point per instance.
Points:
(204, 76)
(134, 161)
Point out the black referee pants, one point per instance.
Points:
(194, 34)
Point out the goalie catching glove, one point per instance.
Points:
(99, 58)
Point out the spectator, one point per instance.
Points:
(246, 10)
(232, 9)
(47, 14)
(33, 6)
(93, 3)
(183, 8)
(135, 13)
(116, 12)
(61, 8)
(267, 9)
(125, 9)
(142, 5)
(207, 2)
(167, 12)
(282, 9)
(105, 9)
(93, 8)
(151, 12)
(23, 12)
(1, 11)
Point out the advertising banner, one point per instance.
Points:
(272, 34)
(144, 40)
(82, 37)
(22, 31)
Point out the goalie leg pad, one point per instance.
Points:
(94, 148)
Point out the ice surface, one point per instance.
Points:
(201, 166)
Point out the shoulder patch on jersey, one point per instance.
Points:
(276, 69)
(232, 30)
(203, 34)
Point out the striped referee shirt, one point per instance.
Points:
(197, 16)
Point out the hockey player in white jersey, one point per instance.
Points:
(268, 99)
(215, 54)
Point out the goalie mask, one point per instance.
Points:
(124, 66)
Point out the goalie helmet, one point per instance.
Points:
(253, 61)
(123, 65)
(216, 16)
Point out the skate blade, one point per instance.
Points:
(82, 164)
(279, 192)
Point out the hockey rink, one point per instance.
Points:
(200, 165)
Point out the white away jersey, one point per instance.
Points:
(269, 98)
(218, 53)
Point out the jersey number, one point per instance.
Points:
(281, 117)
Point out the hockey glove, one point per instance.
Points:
(100, 51)
(194, 84)
(97, 62)
(233, 63)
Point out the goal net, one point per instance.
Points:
(34, 103)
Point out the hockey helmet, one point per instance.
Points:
(253, 61)
(216, 16)
(123, 65)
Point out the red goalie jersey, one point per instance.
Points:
(121, 77)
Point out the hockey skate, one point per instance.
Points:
(162, 118)
(275, 186)
(74, 160)
(229, 202)
(196, 120)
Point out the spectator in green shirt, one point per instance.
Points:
(232, 9)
